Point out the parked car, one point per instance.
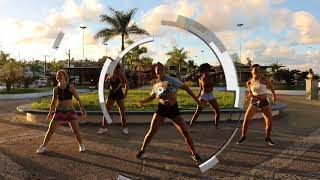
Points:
(41, 82)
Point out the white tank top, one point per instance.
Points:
(258, 88)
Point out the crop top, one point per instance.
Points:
(64, 94)
(257, 88)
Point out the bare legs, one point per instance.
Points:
(121, 108)
(215, 106)
(267, 114)
(179, 123)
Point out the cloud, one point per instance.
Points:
(278, 1)
(41, 34)
(151, 20)
(307, 26)
(280, 20)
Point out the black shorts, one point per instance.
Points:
(168, 111)
(259, 103)
(116, 95)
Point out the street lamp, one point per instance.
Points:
(83, 27)
(240, 25)
(45, 65)
(106, 44)
(202, 54)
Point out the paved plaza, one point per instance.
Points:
(296, 154)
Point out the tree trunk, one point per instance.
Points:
(8, 86)
(123, 59)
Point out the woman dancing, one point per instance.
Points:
(205, 95)
(64, 112)
(257, 87)
(166, 91)
(117, 80)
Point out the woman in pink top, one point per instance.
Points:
(257, 87)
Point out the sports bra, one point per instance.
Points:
(208, 84)
(64, 94)
(115, 84)
(257, 88)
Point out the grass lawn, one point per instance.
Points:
(91, 101)
(25, 90)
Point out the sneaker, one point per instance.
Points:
(82, 148)
(42, 149)
(243, 138)
(269, 141)
(139, 154)
(196, 157)
(125, 131)
(102, 130)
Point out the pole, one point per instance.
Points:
(240, 25)
(83, 27)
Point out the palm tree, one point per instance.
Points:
(133, 57)
(177, 57)
(4, 58)
(11, 72)
(118, 23)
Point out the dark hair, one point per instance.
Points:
(204, 67)
(254, 66)
(65, 74)
(158, 64)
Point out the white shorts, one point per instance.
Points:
(207, 96)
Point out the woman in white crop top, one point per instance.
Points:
(257, 87)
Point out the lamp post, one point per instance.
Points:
(106, 44)
(240, 25)
(202, 54)
(45, 65)
(83, 27)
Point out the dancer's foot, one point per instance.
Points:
(82, 148)
(125, 131)
(139, 154)
(42, 149)
(102, 130)
(196, 157)
(240, 141)
(269, 141)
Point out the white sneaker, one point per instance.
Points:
(42, 149)
(102, 130)
(125, 131)
(82, 148)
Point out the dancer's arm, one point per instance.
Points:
(53, 103)
(200, 88)
(249, 89)
(73, 90)
(124, 80)
(189, 91)
(146, 100)
(270, 86)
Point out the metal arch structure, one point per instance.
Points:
(225, 60)
(108, 68)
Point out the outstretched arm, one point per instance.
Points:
(146, 100)
(74, 92)
(189, 91)
(53, 103)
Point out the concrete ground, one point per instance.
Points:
(296, 154)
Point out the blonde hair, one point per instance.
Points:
(65, 74)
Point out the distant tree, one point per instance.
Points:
(133, 57)
(177, 57)
(11, 72)
(118, 23)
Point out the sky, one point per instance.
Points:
(283, 31)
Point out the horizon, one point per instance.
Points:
(283, 31)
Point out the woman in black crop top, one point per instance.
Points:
(206, 95)
(116, 81)
(63, 112)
